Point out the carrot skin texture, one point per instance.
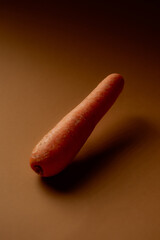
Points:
(60, 145)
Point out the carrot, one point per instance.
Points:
(60, 145)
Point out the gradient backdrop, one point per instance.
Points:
(52, 54)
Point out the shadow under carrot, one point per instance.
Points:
(132, 134)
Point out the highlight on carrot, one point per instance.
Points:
(60, 145)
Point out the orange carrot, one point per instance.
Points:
(60, 145)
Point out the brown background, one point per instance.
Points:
(51, 56)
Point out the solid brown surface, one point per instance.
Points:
(49, 61)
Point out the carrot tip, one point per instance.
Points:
(38, 169)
